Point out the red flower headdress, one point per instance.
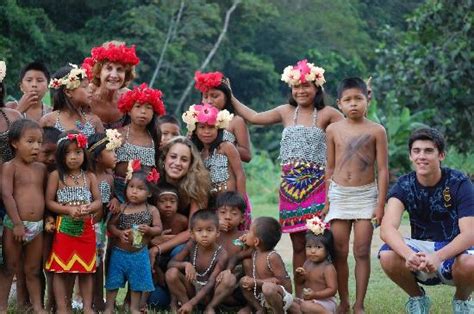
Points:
(111, 52)
(80, 139)
(135, 165)
(205, 81)
(143, 95)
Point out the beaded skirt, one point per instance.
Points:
(74, 246)
(302, 194)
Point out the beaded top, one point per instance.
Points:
(229, 137)
(299, 142)
(105, 191)
(126, 221)
(6, 153)
(69, 194)
(85, 128)
(127, 152)
(217, 164)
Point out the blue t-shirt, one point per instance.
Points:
(434, 211)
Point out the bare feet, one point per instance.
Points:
(343, 308)
(358, 309)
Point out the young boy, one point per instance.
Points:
(169, 127)
(230, 211)
(357, 179)
(23, 195)
(48, 148)
(192, 273)
(34, 79)
(266, 282)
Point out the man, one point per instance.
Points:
(440, 203)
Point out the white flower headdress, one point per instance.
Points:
(3, 70)
(113, 137)
(72, 80)
(303, 72)
(205, 113)
(316, 225)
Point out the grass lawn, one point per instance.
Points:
(383, 296)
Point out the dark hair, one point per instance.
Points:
(61, 154)
(352, 82)
(204, 214)
(428, 134)
(35, 66)
(214, 145)
(60, 99)
(326, 239)
(153, 130)
(165, 187)
(319, 101)
(232, 199)
(268, 230)
(167, 118)
(223, 87)
(2, 94)
(50, 135)
(94, 154)
(18, 127)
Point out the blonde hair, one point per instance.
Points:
(97, 68)
(196, 184)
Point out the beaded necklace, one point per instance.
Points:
(257, 296)
(211, 264)
(76, 178)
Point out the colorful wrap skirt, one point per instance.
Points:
(302, 194)
(74, 246)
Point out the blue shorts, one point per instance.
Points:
(133, 267)
(444, 273)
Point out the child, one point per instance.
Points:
(141, 138)
(355, 145)
(47, 157)
(266, 282)
(302, 150)
(169, 128)
(230, 211)
(71, 98)
(103, 159)
(132, 229)
(221, 158)
(73, 193)
(23, 195)
(215, 90)
(192, 273)
(163, 250)
(318, 275)
(34, 78)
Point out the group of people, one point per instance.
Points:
(121, 195)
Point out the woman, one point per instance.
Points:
(110, 69)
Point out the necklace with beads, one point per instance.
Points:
(74, 178)
(257, 296)
(211, 264)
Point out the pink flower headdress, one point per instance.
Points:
(316, 225)
(71, 81)
(143, 95)
(112, 52)
(205, 81)
(303, 72)
(205, 113)
(80, 139)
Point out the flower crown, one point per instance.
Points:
(205, 81)
(316, 225)
(143, 95)
(3, 70)
(72, 80)
(303, 72)
(80, 139)
(205, 113)
(136, 165)
(113, 53)
(113, 137)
